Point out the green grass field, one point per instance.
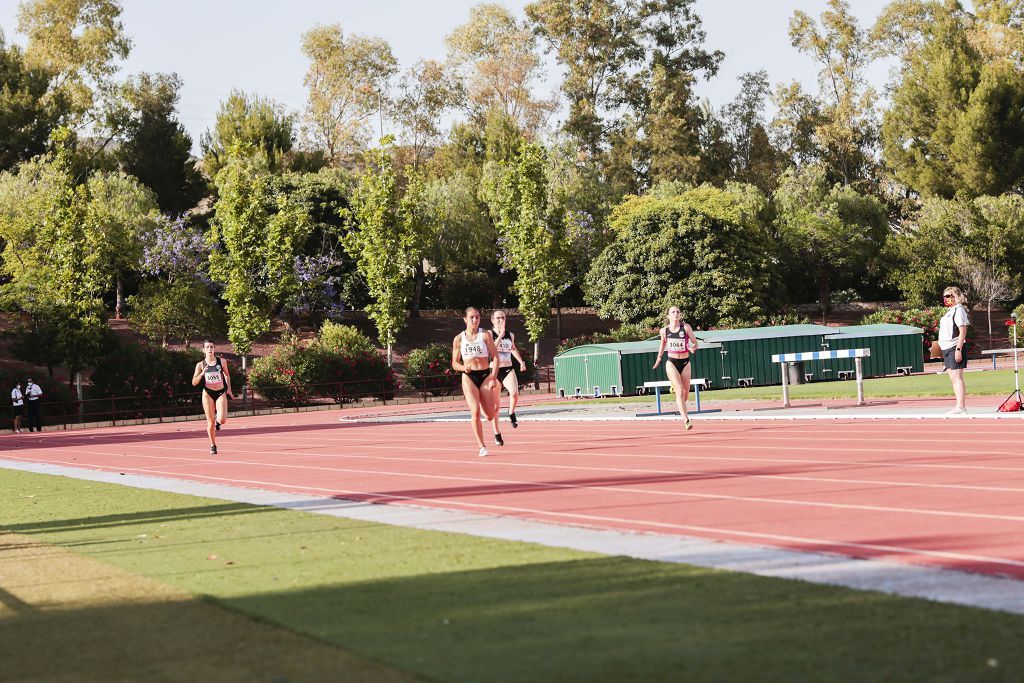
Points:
(987, 383)
(450, 607)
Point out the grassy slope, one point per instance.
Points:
(458, 608)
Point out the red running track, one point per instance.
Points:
(946, 493)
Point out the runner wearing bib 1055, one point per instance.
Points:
(212, 373)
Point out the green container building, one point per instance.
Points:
(895, 349)
(625, 366)
(746, 354)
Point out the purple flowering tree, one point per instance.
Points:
(319, 288)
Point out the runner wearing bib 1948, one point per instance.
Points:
(212, 373)
(474, 355)
(507, 376)
(678, 339)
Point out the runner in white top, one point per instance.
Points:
(474, 355)
(680, 341)
(507, 377)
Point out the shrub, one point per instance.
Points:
(1020, 327)
(429, 370)
(297, 373)
(343, 339)
(925, 318)
(772, 320)
(148, 377)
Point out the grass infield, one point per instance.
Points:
(981, 383)
(450, 607)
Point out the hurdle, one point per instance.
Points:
(855, 354)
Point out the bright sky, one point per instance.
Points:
(217, 45)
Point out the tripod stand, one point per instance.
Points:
(1014, 401)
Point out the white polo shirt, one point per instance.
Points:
(956, 314)
(33, 392)
(17, 398)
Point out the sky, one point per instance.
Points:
(253, 45)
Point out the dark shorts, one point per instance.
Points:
(215, 393)
(505, 372)
(949, 359)
(478, 376)
(680, 363)
(19, 410)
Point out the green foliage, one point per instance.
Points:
(1020, 327)
(834, 231)
(297, 373)
(59, 398)
(343, 339)
(257, 232)
(27, 114)
(928, 251)
(55, 334)
(705, 250)
(155, 147)
(386, 240)
(628, 332)
(248, 122)
(429, 369)
(925, 318)
(178, 311)
(151, 375)
(517, 193)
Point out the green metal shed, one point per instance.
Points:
(894, 349)
(745, 355)
(624, 365)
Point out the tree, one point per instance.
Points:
(385, 238)
(348, 83)
(155, 147)
(847, 133)
(834, 230)
(517, 193)
(630, 67)
(955, 124)
(497, 56)
(704, 249)
(248, 122)
(256, 234)
(179, 310)
(27, 114)
(986, 282)
(426, 92)
(78, 42)
(119, 212)
(754, 158)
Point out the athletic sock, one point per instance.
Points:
(213, 450)
(498, 440)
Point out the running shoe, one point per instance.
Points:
(483, 452)
(213, 450)
(689, 425)
(957, 411)
(498, 440)
(512, 419)
(217, 424)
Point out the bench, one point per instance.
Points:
(745, 382)
(846, 374)
(695, 384)
(904, 370)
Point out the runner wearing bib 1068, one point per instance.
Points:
(678, 339)
(213, 373)
(474, 355)
(507, 376)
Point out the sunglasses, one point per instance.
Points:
(948, 296)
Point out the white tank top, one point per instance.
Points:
(505, 346)
(474, 349)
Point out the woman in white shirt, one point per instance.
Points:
(475, 355)
(952, 335)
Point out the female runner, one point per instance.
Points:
(212, 371)
(678, 338)
(507, 377)
(474, 355)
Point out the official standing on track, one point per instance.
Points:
(33, 394)
(678, 338)
(952, 336)
(18, 404)
(476, 357)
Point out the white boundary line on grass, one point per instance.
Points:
(941, 585)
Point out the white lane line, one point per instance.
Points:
(541, 486)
